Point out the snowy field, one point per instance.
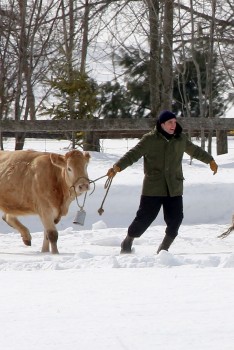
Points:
(91, 297)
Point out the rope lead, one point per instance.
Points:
(107, 187)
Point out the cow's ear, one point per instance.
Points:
(58, 160)
(87, 155)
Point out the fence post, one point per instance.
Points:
(221, 142)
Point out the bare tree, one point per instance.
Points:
(29, 26)
(210, 71)
(37, 35)
(167, 53)
(8, 70)
(155, 56)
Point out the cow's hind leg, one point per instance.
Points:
(45, 246)
(50, 235)
(12, 221)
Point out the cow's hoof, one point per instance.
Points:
(27, 242)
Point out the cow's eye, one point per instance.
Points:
(69, 169)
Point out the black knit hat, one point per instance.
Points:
(165, 116)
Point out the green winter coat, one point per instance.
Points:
(163, 161)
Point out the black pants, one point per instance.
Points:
(149, 209)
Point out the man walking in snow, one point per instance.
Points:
(163, 150)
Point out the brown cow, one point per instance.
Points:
(41, 183)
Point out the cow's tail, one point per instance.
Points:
(227, 233)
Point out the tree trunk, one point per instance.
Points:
(203, 138)
(167, 69)
(85, 38)
(193, 43)
(91, 142)
(19, 140)
(1, 142)
(222, 142)
(155, 76)
(209, 148)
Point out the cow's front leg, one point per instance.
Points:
(50, 240)
(50, 232)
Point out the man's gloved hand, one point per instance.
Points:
(213, 167)
(112, 171)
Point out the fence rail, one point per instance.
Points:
(112, 125)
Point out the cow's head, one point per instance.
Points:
(74, 165)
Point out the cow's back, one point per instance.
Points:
(22, 173)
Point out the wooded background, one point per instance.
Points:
(112, 59)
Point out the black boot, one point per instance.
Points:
(166, 243)
(126, 245)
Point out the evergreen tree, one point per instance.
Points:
(76, 98)
(136, 69)
(132, 99)
(115, 101)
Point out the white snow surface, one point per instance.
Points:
(92, 297)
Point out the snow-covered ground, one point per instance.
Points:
(91, 297)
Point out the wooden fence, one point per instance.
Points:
(118, 128)
(112, 125)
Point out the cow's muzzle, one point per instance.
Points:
(81, 185)
(84, 187)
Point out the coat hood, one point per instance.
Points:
(177, 133)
